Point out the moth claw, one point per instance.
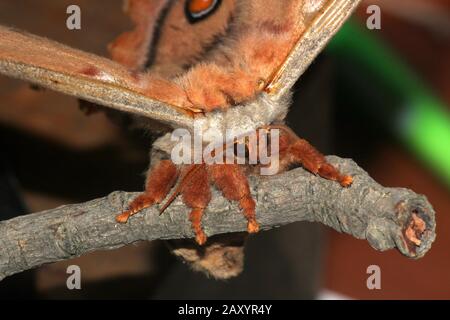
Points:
(346, 181)
(252, 226)
(123, 217)
(200, 237)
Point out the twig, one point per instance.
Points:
(386, 217)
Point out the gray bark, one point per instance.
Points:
(365, 210)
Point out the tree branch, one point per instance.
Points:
(386, 217)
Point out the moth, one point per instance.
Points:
(216, 65)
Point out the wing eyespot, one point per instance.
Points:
(198, 10)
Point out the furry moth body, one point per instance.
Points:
(152, 85)
(214, 65)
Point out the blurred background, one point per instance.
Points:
(380, 97)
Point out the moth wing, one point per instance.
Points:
(321, 27)
(77, 73)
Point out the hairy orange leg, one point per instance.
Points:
(233, 183)
(159, 182)
(294, 150)
(197, 195)
(311, 159)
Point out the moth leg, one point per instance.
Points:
(233, 183)
(159, 182)
(197, 195)
(294, 150)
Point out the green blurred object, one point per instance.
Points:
(418, 117)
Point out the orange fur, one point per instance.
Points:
(237, 69)
(209, 86)
(219, 75)
(231, 180)
(196, 219)
(197, 195)
(294, 150)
